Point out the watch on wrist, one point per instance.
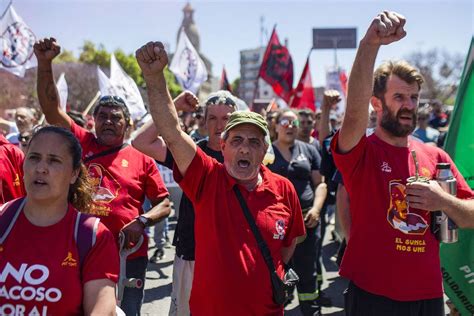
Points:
(143, 220)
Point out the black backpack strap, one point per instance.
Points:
(85, 232)
(256, 232)
(9, 213)
(105, 152)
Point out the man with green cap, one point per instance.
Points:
(230, 276)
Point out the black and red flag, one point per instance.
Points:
(277, 68)
(303, 96)
(225, 85)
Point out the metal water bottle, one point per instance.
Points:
(447, 230)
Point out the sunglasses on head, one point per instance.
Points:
(220, 100)
(287, 123)
(112, 99)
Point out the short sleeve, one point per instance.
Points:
(192, 182)
(315, 158)
(463, 189)
(296, 226)
(155, 188)
(348, 162)
(102, 261)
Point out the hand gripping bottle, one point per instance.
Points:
(447, 231)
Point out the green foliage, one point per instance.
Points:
(99, 56)
(65, 57)
(92, 55)
(235, 86)
(173, 86)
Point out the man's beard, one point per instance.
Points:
(392, 125)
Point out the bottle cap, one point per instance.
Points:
(443, 165)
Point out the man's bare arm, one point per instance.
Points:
(152, 59)
(45, 51)
(148, 140)
(386, 28)
(331, 97)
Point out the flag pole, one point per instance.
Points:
(6, 9)
(89, 106)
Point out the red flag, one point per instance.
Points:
(303, 97)
(225, 85)
(343, 80)
(277, 68)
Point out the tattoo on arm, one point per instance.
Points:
(51, 92)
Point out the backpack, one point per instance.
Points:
(85, 227)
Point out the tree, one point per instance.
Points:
(441, 71)
(65, 57)
(235, 86)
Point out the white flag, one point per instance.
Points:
(16, 43)
(127, 88)
(61, 85)
(105, 87)
(333, 82)
(187, 66)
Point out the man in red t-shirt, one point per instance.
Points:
(230, 276)
(392, 258)
(11, 175)
(122, 176)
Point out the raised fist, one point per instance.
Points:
(186, 101)
(152, 58)
(386, 28)
(331, 97)
(46, 49)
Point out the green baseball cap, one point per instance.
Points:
(246, 117)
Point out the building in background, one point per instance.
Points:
(190, 28)
(250, 61)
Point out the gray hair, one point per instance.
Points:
(220, 97)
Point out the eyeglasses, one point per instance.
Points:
(220, 100)
(112, 99)
(286, 123)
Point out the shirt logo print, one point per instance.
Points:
(280, 229)
(385, 167)
(69, 261)
(124, 163)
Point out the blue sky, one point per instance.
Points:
(226, 27)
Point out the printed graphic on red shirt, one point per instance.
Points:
(399, 215)
(106, 189)
(30, 287)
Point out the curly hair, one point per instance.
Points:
(80, 192)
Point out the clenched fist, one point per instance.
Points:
(152, 58)
(46, 49)
(386, 28)
(186, 101)
(331, 97)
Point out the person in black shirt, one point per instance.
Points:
(299, 162)
(218, 107)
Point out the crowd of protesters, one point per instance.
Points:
(258, 192)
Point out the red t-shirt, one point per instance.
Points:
(40, 269)
(391, 251)
(11, 171)
(121, 182)
(230, 275)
